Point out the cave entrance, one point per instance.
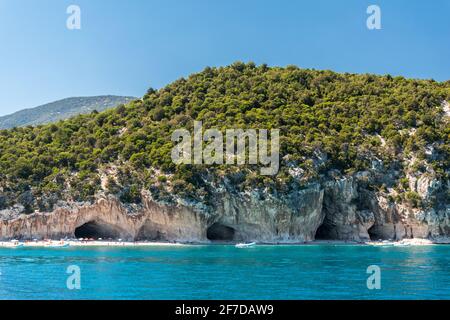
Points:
(96, 230)
(375, 234)
(220, 232)
(324, 232)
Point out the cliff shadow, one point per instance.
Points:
(386, 231)
(98, 229)
(150, 231)
(325, 232)
(220, 232)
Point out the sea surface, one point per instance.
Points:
(225, 272)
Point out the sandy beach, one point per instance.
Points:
(404, 242)
(77, 243)
(112, 243)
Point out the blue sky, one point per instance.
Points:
(126, 46)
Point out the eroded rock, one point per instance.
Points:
(338, 209)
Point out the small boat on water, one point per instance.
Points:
(60, 244)
(379, 244)
(245, 245)
(402, 244)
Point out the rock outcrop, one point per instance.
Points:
(343, 220)
(339, 209)
(152, 221)
(293, 217)
(243, 217)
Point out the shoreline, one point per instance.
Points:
(75, 243)
(112, 243)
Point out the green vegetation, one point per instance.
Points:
(318, 112)
(413, 199)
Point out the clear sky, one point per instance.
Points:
(126, 46)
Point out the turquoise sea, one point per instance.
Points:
(226, 272)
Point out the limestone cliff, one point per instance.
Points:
(340, 208)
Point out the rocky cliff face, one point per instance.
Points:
(340, 208)
(234, 218)
(359, 215)
(108, 218)
(292, 217)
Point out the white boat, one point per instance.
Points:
(381, 244)
(58, 245)
(402, 244)
(245, 245)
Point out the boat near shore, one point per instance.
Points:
(245, 245)
(58, 245)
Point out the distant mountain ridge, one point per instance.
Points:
(61, 109)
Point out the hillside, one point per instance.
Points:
(387, 137)
(59, 110)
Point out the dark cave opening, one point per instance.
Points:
(220, 232)
(324, 232)
(96, 230)
(373, 234)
